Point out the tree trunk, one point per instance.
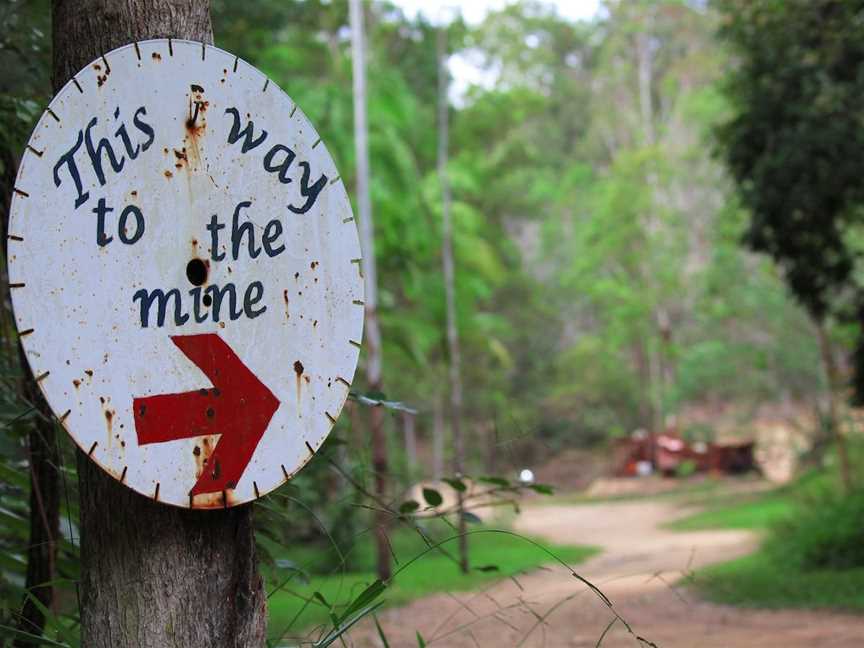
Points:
(450, 294)
(367, 242)
(438, 438)
(42, 455)
(153, 575)
(410, 432)
(832, 381)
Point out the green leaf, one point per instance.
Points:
(471, 518)
(487, 568)
(543, 489)
(420, 642)
(456, 484)
(409, 506)
(432, 497)
(381, 634)
(365, 597)
(495, 481)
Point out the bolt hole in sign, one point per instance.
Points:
(200, 337)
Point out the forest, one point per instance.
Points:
(652, 220)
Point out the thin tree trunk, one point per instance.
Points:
(449, 292)
(410, 433)
(44, 511)
(152, 575)
(492, 454)
(367, 240)
(42, 458)
(438, 438)
(833, 382)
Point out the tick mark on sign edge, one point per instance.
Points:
(65, 415)
(358, 302)
(17, 285)
(137, 51)
(42, 377)
(255, 486)
(53, 114)
(13, 237)
(293, 110)
(330, 418)
(311, 450)
(35, 151)
(236, 59)
(20, 192)
(225, 498)
(25, 332)
(317, 142)
(93, 447)
(123, 474)
(266, 83)
(107, 67)
(170, 48)
(284, 472)
(77, 85)
(335, 180)
(356, 344)
(343, 381)
(348, 220)
(156, 494)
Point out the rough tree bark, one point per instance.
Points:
(367, 242)
(832, 380)
(154, 576)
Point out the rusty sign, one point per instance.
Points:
(185, 273)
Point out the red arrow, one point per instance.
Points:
(238, 406)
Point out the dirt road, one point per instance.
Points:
(639, 563)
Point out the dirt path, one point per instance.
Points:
(639, 563)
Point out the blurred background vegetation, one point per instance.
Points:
(605, 221)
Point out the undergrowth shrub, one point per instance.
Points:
(826, 532)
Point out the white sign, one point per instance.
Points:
(185, 273)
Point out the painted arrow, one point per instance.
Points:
(238, 407)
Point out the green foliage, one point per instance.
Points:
(499, 556)
(811, 556)
(794, 145)
(827, 533)
(759, 513)
(760, 580)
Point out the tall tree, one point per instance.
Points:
(795, 147)
(153, 575)
(373, 331)
(455, 358)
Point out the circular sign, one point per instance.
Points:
(185, 273)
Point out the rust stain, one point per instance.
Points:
(285, 297)
(168, 174)
(207, 500)
(157, 56)
(196, 125)
(298, 369)
(313, 265)
(76, 383)
(202, 454)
